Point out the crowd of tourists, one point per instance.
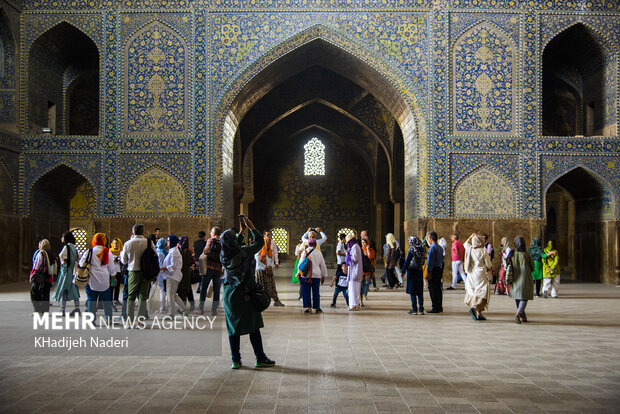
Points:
(231, 264)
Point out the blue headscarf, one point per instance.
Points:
(161, 246)
(174, 240)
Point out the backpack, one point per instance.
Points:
(149, 263)
(214, 251)
(413, 264)
(41, 275)
(305, 266)
(366, 264)
(81, 274)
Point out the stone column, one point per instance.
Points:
(617, 253)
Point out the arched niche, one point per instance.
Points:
(155, 73)
(7, 190)
(576, 64)
(62, 52)
(484, 81)
(155, 192)
(484, 193)
(579, 204)
(8, 65)
(51, 197)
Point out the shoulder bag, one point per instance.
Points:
(81, 274)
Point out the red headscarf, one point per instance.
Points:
(100, 239)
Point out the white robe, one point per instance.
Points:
(477, 291)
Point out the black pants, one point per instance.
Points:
(257, 344)
(117, 288)
(391, 277)
(40, 296)
(538, 283)
(434, 289)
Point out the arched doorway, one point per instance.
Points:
(63, 83)
(577, 207)
(577, 92)
(60, 200)
(320, 89)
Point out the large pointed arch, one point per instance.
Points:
(372, 72)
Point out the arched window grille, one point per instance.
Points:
(314, 157)
(280, 236)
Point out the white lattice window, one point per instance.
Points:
(80, 240)
(280, 236)
(346, 232)
(314, 157)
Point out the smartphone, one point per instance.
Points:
(242, 219)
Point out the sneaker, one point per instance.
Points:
(545, 295)
(278, 303)
(187, 312)
(333, 305)
(451, 288)
(376, 289)
(472, 313)
(481, 318)
(307, 311)
(236, 365)
(264, 363)
(412, 312)
(433, 311)
(524, 317)
(318, 310)
(421, 312)
(74, 311)
(199, 312)
(517, 319)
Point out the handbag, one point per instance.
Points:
(81, 274)
(259, 298)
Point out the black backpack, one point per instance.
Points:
(214, 251)
(366, 265)
(413, 264)
(149, 263)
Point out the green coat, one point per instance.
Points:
(241, 317)
(522, 286)
(537, 273)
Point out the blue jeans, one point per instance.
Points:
(214, 277)
(366, 284)
(420, 304)
(313, 287)
(105, 297)
(257, 344)
(344, 291)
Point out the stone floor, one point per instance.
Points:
(566, 359)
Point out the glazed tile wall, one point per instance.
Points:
(432, 52)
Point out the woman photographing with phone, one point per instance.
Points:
(241, 317)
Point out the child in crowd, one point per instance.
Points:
(341, 284)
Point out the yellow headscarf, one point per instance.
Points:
(117, 252)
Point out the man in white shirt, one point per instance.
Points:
(312, 233)
(266, 261)
(138, 287)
